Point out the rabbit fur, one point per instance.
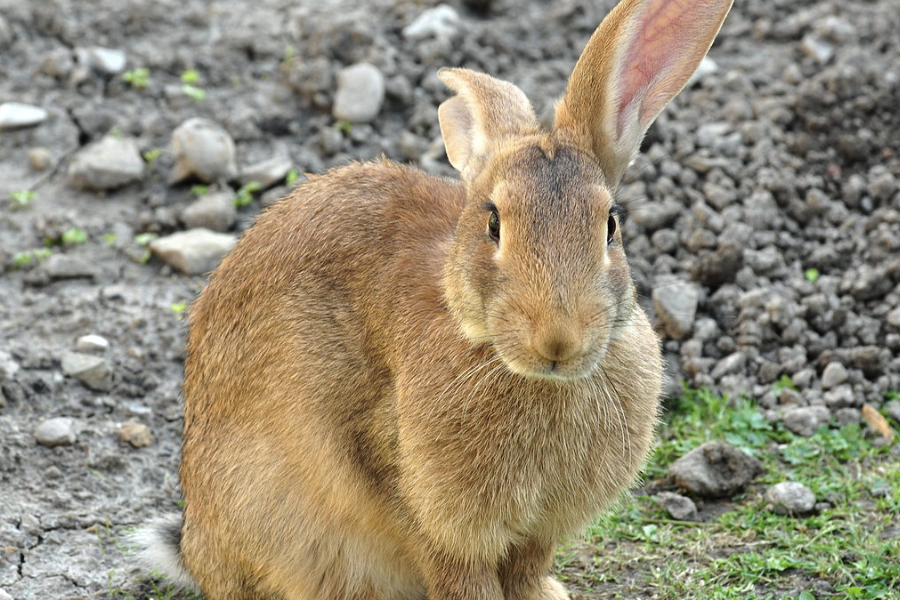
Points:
(399, 386)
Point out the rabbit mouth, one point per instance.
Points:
(531, 363)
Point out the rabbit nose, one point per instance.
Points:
(556, 345)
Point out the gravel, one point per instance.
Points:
(769, 191)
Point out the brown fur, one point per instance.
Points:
(382, 403)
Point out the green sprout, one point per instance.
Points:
(138, 78)
(150, 156)
(245, 194)
(199, 189)
(811, 275)
(343, 126)
(21, 198)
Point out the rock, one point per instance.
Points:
(14, 115)
(104, 60)
(268, 172)
(64, 266)
(679, 507)
(214, 211)
(893, 318)
(720, 266)
(270, 197)
(442, 21)
(360, 93)
(59, 431)
(847, 416)
(892, 409)
(202, 148)
(834, 375)
(871, 283)
(714, 470)
(841, 396)
(8, 366)
(706, 68)
(40, 158)
(790, 498)
(871, 359)
(136, 434)
(676, 306)
(193, 252)
(817, 48)
(92, 343)
(92, 371)
(731, 364)
(107, 164)
(806, 420)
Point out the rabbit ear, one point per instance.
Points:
(485, 111)
(638, 59)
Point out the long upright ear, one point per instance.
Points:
(638, 59)
(484, 112)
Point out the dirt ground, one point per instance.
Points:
(771, 187)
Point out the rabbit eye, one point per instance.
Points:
(612, 225)
(493, 225)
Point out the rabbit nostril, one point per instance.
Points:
(555, 347)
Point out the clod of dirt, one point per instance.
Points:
(714, 470)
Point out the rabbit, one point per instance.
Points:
(399, 386)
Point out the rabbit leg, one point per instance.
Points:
(523, 573)
(452, 578)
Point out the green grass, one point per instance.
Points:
(849, 549)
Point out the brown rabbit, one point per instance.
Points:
(404, 387)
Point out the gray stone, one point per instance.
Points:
(136, 434)
(847, 416)
(110, 61)
(360, 93)
(59, 431)
(805, 420)
(892, 409)
(714, 470)
(92, 371)
(676, 306)
(107, 164)
(840, 397)
(64, 266)
(834, 375)
(790, 498)
(268, 172)
(92, 343)
(193, 252)
(817, 48)
(893, 318)
(8, 366)
(40, 158)
(706, 68)
(720, 266)
(442, 21)
(203, 149)
(214, 211)
(733, 363)
(14, 115)
(679, 507)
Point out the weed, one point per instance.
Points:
(785, 382)
(179, 307)
(199, 189)
(244, 195)
(811, 275)
(292, 177)
(21, 198)
(109, 239)
(150, 156)
(144, 239)
(343, 126)
(138, 78)
(22, 260)
(193, 92)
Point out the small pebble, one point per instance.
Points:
(268, 172)
(92, 343)
(360, 93)
(203, 149)
(92, 371)
(136, 434)
(40, 158)
(214, 211)
(107, 164)
(442, 21)
(58, 431)
(14, 115)
(790, 498)
(676, 306)
(193, 252)
(806, 420)
(679, 507)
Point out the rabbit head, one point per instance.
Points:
(537, 269)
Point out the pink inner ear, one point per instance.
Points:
(666, 48)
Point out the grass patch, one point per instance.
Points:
(850, 548)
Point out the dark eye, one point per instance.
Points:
(612, 225)
(493, 226)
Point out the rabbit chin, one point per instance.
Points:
(527, 363)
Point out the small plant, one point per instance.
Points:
(144, 239)
(811, 275)
(199, 189)
(28, 258)
(785, 382)
(138, 78)
(109, 239)
(292, 177)
(74, 237)
(189, 81)
(150, 156)
(179, 307)
(21, 198)
(245, 194)
(343, 126)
